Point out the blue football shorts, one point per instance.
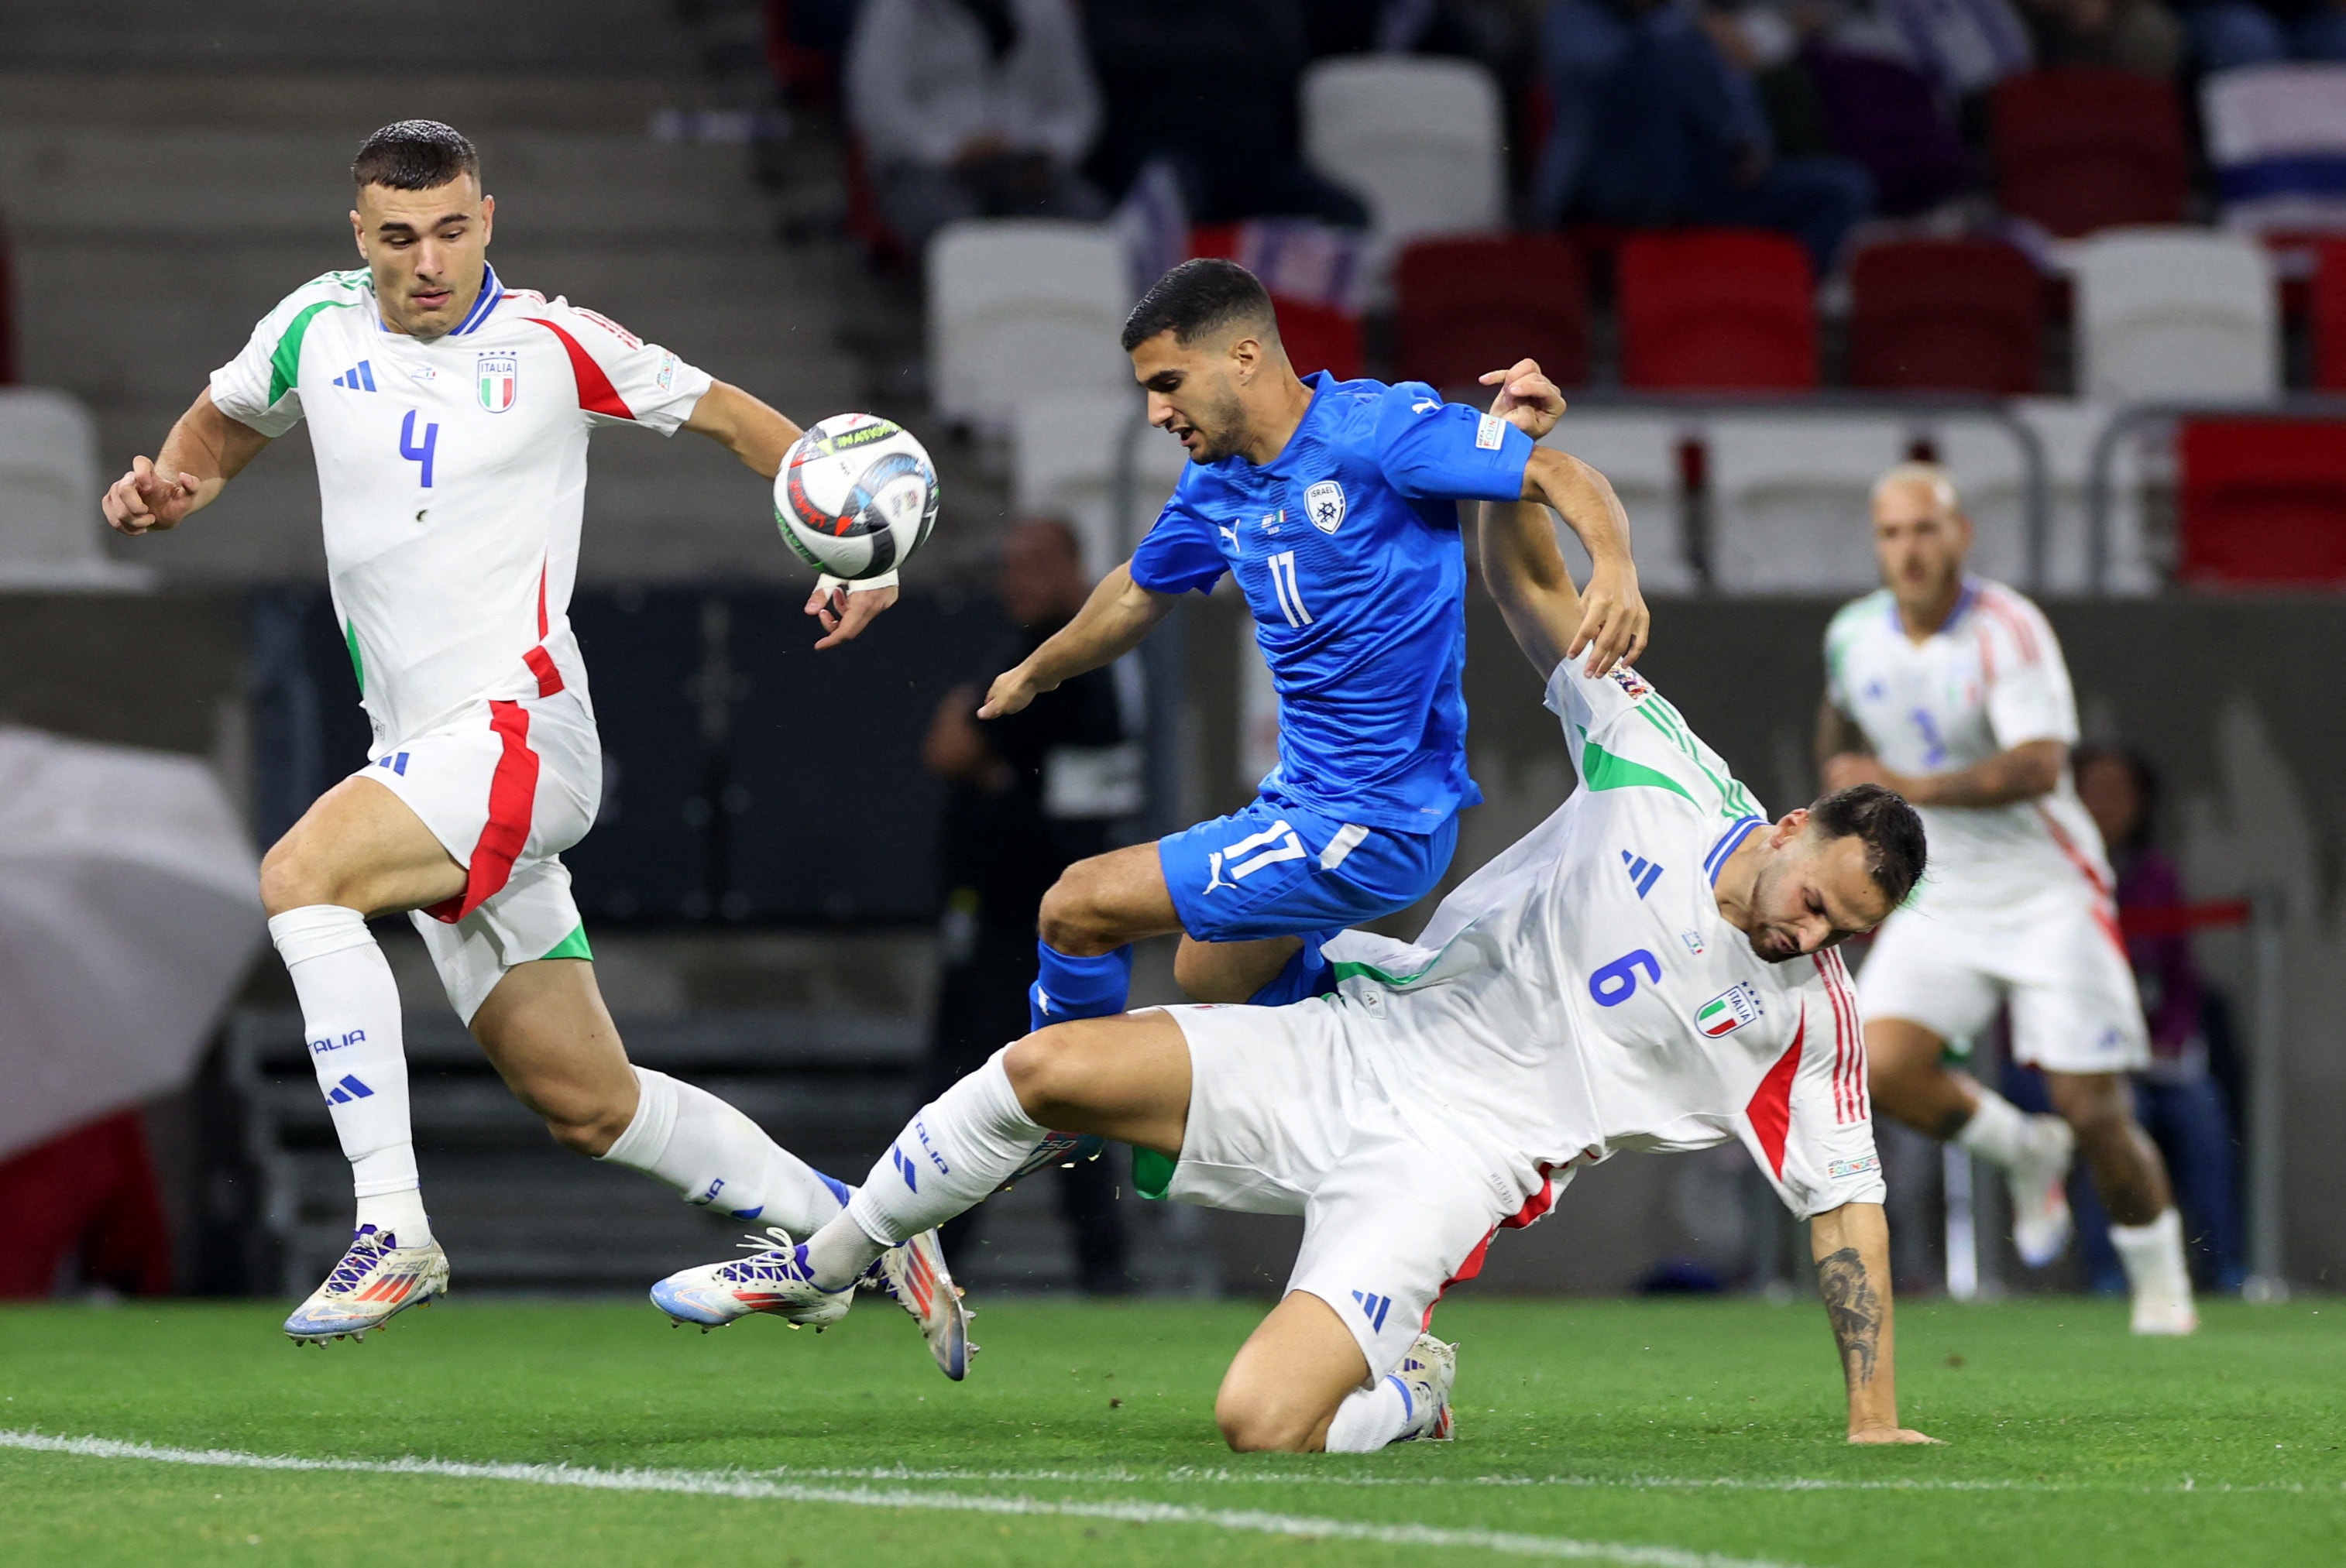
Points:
(1283, 871)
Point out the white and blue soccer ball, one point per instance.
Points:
(856, 496)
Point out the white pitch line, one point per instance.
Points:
(737, 1484)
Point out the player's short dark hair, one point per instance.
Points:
(1895, 850)
(1198, 296)
(414, 154)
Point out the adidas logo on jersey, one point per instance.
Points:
(359, 377)
(1643, 872)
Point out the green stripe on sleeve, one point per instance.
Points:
(574, 945)
(1601, 769)
(285, 364)
(358, 661)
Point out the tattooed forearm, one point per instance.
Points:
(1855, 1309)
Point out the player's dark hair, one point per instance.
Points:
(414, 154)
(1895, 850)
(1197, 297)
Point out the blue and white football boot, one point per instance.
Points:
(376, 1280)
(775, 1278)
(916, 1275)
(1065, 1150)
(1424, 1376)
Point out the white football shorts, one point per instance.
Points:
(2057, 959)
(506, 787)
(1284, 1118)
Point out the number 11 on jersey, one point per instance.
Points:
(415, 452)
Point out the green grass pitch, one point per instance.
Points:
(1671, 1435)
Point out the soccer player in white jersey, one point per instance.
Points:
(449, 415)
(1648, 970)
(1950, 690)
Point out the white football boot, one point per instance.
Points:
(2038, 1180)
(774, 1278)
(1424, 1376)
(915, 1275)
(376, 1280)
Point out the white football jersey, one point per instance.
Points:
(451, 475)
(1582, 993)
(1990, 678)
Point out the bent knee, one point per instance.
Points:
(1045, 1068)
(292, 879)
(1070, 917)
(585, 1132)
(1254, 1426)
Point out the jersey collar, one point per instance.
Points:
(1729, 843)
(1964, 600)
(1237, 467)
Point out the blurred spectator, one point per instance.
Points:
(1029, 795)
(1963, 46)
(1658, 121)
(2138, 36)
(973, 109)
(1211, 86)
(2229, 33)
(2177, 1099)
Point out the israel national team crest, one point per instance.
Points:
(1728, 1011)
(1324, 503)
(500, 381)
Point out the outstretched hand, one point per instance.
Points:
(1012, 690)
(1528, 398)
(844, 613)
(1614, 620)
(144, 501)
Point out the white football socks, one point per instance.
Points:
(2155, 1266)
(959, 1148)
(1371, 1418)
(1998, 1131)
(720, 1159)
(350, 1015)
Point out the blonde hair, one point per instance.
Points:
(1930, 476)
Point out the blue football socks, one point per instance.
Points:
(1066, 988)
(1306, 974)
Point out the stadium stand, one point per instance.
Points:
(1946, 315)
(1469, 305)
(1419, 138)
(2079, 150)
(51, 536)
(7, 310)
(2176, 314)
(1790, 496)
(2329, 316)
(2277, 139)
(1717, 310)
(1022, 306)
(1063, 464)
(2261, 501)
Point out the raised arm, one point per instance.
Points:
(1112, 622)
(204, 450)
(1609, 618)
(1851, 1248)
(2022, 772)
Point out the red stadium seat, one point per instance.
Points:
(2328, 317)
(2078, 150)
(2263, 501)
(1318, 338)
(1946, 315)
(1717, 310)
(1466, 306)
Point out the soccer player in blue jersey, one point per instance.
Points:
(1332, 505)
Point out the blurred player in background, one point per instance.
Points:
(1332, 505)
(449, 415)
(1649, 969)
(1952, 690)
(1027, 796)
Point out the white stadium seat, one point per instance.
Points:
(1791, 500)
(1019, 307)
(2170, 314)
(1418, 139)
(1639, 454)
(2277, 136)
(51, 533)
(1063, 464)
(1989, 472)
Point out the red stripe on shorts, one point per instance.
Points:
(513, 798)
(541, 665)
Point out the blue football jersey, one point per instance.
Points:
(1347, 548)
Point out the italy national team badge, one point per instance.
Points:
(1728, 1011)
(1324, 503)
(500, 381)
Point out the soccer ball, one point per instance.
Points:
(856, 496)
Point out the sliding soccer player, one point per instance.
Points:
(1651, 969)
(1952, 690)
(450, 416)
